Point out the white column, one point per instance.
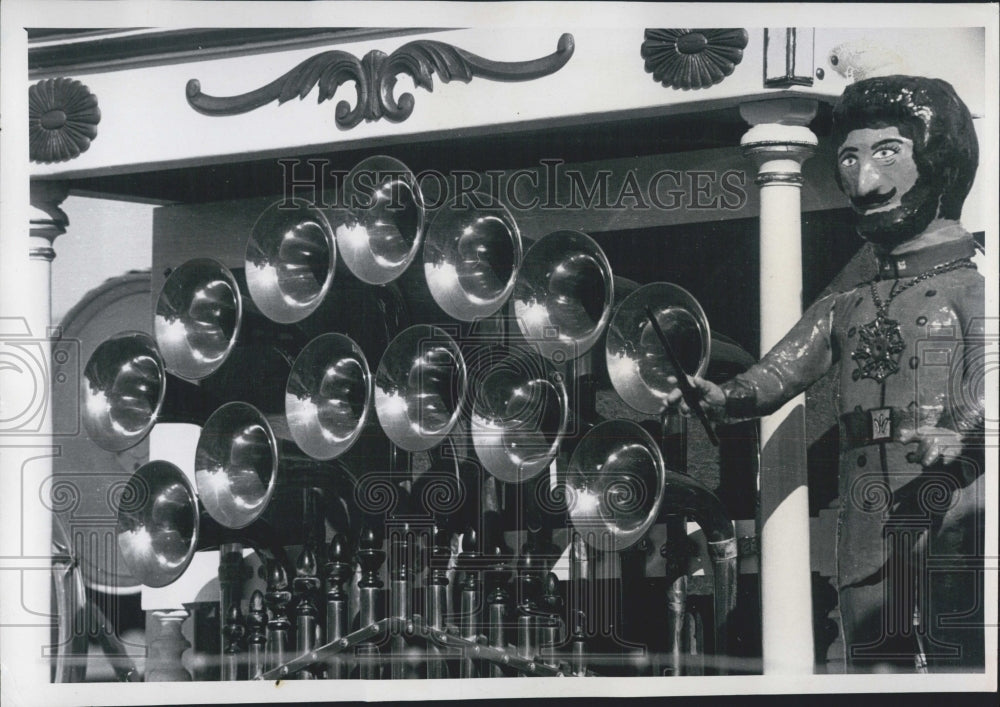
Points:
(778, 142)
(27, 450)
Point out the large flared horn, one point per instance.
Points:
(563, 295)
(472, 255)
(384, 222)
(617, 484)
(243, 456)
(126, 390)
(420, 384)
(291, 257)
(638, 366)
(161, 525)
(615, 480)
(328, 398)
(520, 412)
(198, 316)
(158, 523)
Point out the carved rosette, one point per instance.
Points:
(693, 58)
(374, 77)
(62, 119)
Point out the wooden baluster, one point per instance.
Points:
(232, 632)
(305, 585)
(549, 630)
(256, 635)
(164, 662)
(278, 627)
(339, 569)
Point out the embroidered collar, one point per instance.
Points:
(892, 267)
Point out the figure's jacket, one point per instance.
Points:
(939, 383)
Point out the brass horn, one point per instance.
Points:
(198, 316)
(161, 526)
(420, 384)
(208, 331)
(615, 480)
(240, 456)
(328, 398)
(520, 412)
(291, 258)
(472, 254)
(637, 365)
(617, 484)
(126, 390)
(564, 294)
(385, 220)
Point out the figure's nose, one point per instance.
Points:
(869, 178)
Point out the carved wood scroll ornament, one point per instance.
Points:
(62, 120)
(693, 58)
(375, 78)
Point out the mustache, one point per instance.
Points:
(867, 201)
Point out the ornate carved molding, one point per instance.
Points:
(693, 58)
(375, 78)
(62, 119)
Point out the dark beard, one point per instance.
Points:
(889, 229)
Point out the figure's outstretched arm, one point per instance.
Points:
(799, 359)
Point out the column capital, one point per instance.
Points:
(778, 140)
(769, 142)
(47, 220)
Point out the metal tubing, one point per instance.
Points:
(469, 624)
(497, 631)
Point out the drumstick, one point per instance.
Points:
(691, 396)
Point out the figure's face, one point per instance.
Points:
(880, 177)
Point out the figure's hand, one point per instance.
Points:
(713, 400)
(935, 443)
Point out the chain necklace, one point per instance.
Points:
(880, 342)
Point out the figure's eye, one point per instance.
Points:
(886, 152)
(848, 161)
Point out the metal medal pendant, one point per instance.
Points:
(880, 343)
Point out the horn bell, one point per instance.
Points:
(385, 220)
(420, 384)
(520, 413)
(122, 391)
(472, 255)
(615, 481)
(563, 295)
(291, 257)
(236, 464)
(198, 315)
(637, 365)
(158, 523)
(328, 398)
